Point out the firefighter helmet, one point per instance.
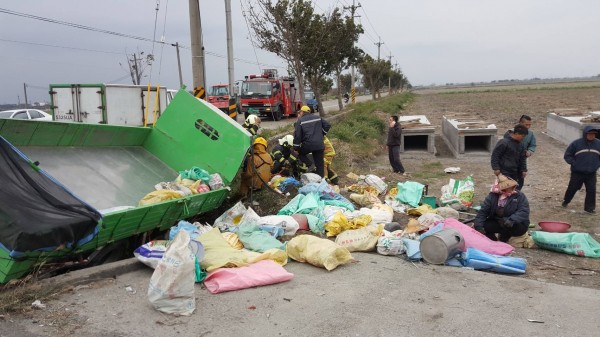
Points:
(261, 141)
(305, 108)
(253, 120)
(289, 139)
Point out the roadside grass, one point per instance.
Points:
(518, 88)
(430, 170)
(17, 298)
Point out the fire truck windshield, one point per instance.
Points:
(262, 88)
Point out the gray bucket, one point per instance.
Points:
(441, 246)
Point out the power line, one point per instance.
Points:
(63, 47)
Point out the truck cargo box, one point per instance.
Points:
(111, 166)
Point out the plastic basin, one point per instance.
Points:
(554, 226)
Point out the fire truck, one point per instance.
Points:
(269, 95)
(219, 97)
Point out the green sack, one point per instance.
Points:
(200, 275)
(195, 173)
(256, 240)
(580, 244)
(410, 193)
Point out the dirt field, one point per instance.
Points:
(548, 173)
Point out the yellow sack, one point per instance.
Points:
(318, 252)
(360, 240)
(340, 223)
(233, 240)
(279, 256)
(159, 196)
(422, 209)
(218, 253)
(523, 241)
(366, 199)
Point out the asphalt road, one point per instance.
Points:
(374, 296)
(328, 106)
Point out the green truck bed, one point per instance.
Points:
(110, 166)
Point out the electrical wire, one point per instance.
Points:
(162, 38)
(250, 36)
(63, 47)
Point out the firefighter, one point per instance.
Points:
(308, 138)
(285, 159)
(257, 171)
(328, 155)
(252, 124)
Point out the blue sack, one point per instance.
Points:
(479, 260)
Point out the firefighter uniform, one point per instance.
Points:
(252, 124)
(257, 170)
(328, 155)
(285, 160)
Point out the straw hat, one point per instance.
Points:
(505, 182)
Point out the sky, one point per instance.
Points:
(431, 41)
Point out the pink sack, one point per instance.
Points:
(257, 274)
(477, 240)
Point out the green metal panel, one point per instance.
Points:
(40, 133)
(190, 133)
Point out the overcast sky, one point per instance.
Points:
(432, 41)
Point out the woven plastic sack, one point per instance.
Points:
(410, 192)
(580, 244)
(318, 252)
(360, 240)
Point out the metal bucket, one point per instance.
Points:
(441, 246)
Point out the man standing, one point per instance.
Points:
(583, 155)
(509, 156)
(308, 138)
(393, 144)
(529, 142)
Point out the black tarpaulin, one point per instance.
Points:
(37, 212)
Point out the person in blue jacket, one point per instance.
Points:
(583, 155)
(504, 213)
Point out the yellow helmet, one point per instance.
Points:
(305, 108)
(261, 140)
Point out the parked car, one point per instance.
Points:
(26, 114)
(311, 101)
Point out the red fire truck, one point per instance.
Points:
(269, 95)
(219, 97)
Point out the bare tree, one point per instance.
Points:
(137, 63)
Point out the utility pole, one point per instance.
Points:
(378, 44)
(176, 45)
(353, 88)
(229, 46)
(390, 76)
(197, 49)
(25, 90)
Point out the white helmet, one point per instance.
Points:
(288, 138)
(253, 120)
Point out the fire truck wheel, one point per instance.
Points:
(277, 114)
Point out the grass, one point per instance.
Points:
(430, 170)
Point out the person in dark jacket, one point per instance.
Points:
(529, 143)
(285, 160)
(309, 131)
(504, 213)
(393, 145)
(509, 156)
(583, 155)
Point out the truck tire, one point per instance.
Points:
(278, 114)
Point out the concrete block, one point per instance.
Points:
(568, 128)
(467, 136)
(419, 136)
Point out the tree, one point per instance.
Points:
(374, 73)
(345, 82)
(314, 45)
(137, 64)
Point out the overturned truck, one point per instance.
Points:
(70, 190)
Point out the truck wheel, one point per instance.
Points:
(278, 114)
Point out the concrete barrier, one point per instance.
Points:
(570, 127)
(468, 136)
(418, 135)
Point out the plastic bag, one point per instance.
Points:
(151, 253)
(389, 245)
(580, 244)
(410, 192)
(376, 182)
(195, 173)
(307, 178)
(360, 240)
(231, 218)
(289, 224)
(462, 191)
(257, 240)
(340, 223)
(215, 182)
(171, 288)
(318, 252)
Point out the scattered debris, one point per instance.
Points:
(252, 307)
(37, 304)
(534, 321)
(287, 299)
(130, 290)
(582, 272)
(452, 169)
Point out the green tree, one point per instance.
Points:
(375, 73)
(314, 45)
